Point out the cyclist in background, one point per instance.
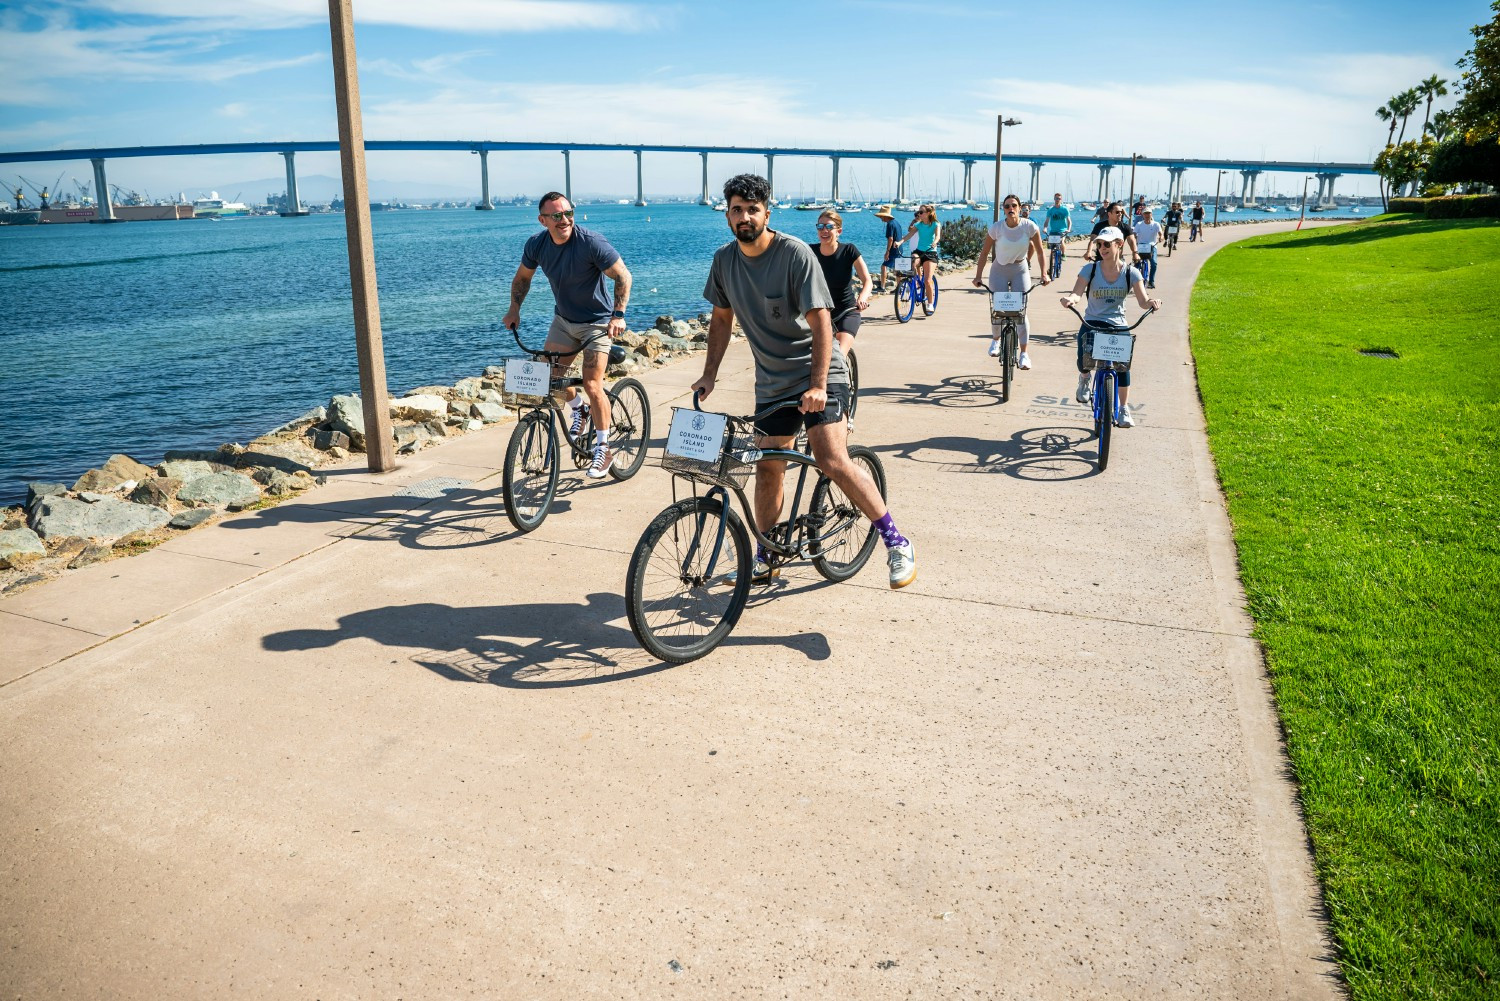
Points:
(1173, 220)
(929, 233)
(1114, 217)
(892, 246)
(1058, 221)
(1148, 235)
(1196, 233)
(1104, 284)
(841, 262)
(1012, 239)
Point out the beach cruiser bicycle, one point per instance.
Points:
(1055, 255)
(689, 577)
(911, 289)
(1109, 353)
(1005, 309)
(1172, 238)
(532, 458)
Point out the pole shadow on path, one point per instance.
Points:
(526, 646)
(1046, 453)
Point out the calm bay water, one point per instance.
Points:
(146, 336)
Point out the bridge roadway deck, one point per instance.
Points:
(371, 745)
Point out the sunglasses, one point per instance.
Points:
(825, 225)
(558, 216)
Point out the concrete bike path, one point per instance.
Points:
(371, 743)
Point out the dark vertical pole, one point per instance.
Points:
(380, 449)
(1218, 185)
(1305, 179)
(999, 140)
(1130, 205)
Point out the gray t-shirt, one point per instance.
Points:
(770, 296)
(1106, 300)
(575, 270)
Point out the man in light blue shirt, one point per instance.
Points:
(1059, 219)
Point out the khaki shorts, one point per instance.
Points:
(565, 335)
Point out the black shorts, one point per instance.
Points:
(848, 323)
(785, 422)
(919, 256)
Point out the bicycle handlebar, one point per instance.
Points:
(746, 420)
(616, 351)
(1098, 326)
(1024, 292)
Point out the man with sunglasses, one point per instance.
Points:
(1114, 216)
(586, 318)
(773, 285)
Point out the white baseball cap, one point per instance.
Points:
(1109, 234)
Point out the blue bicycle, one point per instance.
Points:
(1109, 349)
(1055, 255)
(911, 290)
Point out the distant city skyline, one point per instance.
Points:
(1286, 81)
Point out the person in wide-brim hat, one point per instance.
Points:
(893, 240)
(884, 212)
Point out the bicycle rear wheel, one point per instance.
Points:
(845, 537)
(629, 427)
(853, 383)
(1104, 414)
(932, 306)
(529, 480)
(906, 299)
(689, 579)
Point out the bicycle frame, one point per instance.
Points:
(551, 401)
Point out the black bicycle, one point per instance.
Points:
(1005, 309)
(690, 574)
(1108, 348)
(531, 459)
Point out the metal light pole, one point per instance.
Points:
(380, 449)
(1130, 205)
(1218, 186)
(1000, 123)
(1305, 179)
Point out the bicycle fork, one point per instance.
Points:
(687, 576)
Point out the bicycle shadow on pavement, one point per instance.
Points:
(963, 392)
(525, 646)
(1046, 453)
(462, 519)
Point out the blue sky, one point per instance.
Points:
(1272, 79)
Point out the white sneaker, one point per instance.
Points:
(1023, 361)
(604, 457)
(1125, 421)
(903, 563)
(1085, 387)
(580, 420)
(995, 348)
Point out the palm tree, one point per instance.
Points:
(1431, 87)
(1407, 106)
(1441, 123)
(1385, 114)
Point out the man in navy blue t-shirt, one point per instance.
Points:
(576, 261)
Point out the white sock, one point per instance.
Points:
(576, 401)
(601, 437)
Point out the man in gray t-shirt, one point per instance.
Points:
(773, 285)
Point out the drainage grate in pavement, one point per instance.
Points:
(435, 487)
(1379, 352)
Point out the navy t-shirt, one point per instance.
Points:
(894, 232)
(575, 270)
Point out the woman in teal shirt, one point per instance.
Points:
(929, 233)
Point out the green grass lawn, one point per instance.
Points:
(1366, 506)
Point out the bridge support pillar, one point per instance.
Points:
(900, 179)
(1325, 190)
(1247, 188)
(705, 200)
(640, 186)
(771, 174)
(835, 178)
(293, 203)
(568, 175)
(104, 210)
(1174, 184)
(969, 183)
(484, 181)
(1104, 172)
(1035, 194)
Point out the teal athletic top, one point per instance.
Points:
(925, 233)
(1058, 219)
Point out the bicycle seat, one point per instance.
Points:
(616, 353)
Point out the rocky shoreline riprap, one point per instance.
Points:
(125, 506)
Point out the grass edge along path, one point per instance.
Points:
(1366, 508)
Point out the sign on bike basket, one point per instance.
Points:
(703, 446)
(1112, 347)
(1009, 303)
(528, 378)
(902, 264)
(1054, 239)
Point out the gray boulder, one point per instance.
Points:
(158, 491)
(489, 413)
(422, 407)
(492, 396)
(116, 471)
(91, 497)
(108, 519)
(494, 371)
(468, 387)
(328, 439)
(90, 553)
(664, 323)
(189, 469)
(287, 456)
(219, 490)
(683, 329)
(347, 414)
(192, 518)
(18, 547)
(36, 491)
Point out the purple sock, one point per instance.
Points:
(761, 555)
(887, 529)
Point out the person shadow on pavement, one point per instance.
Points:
(1047, 453)
(530, 645)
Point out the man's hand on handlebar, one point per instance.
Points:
(702, 388)
(512, 319)
(616, 327)
(813, 401)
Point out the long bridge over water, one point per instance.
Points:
(1176, 167)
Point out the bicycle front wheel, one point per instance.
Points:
(530, 475)
(1104, 415)
(845, 538)
(689, 579)
(906, 299)
(629, 427)
(1007, 362)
